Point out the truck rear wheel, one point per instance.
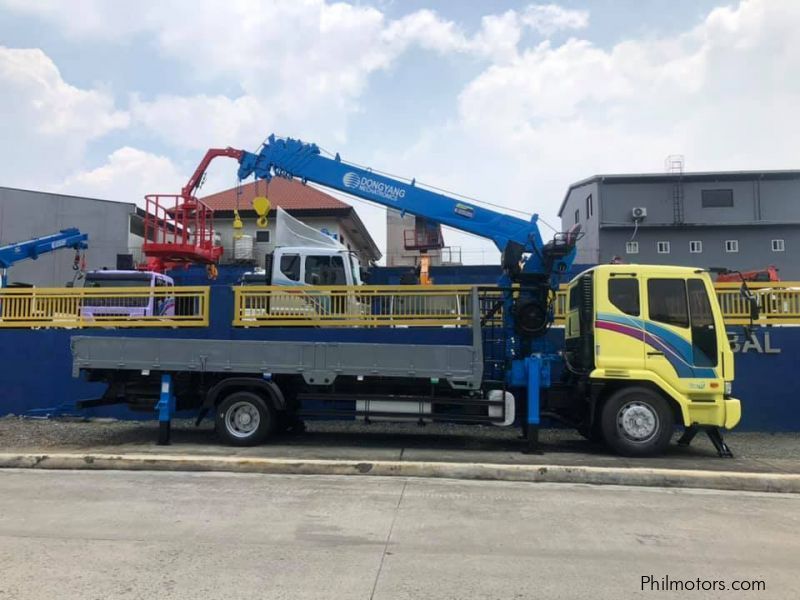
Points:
(244, 419)
(636, 421)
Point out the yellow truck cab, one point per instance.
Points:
(649, 346)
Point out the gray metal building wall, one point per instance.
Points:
(589, 243)
(754, 247)
(766, 206)
(27, 214)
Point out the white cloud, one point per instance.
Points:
(549, 18)
(534, 120)
(46, 122)
(127, 175)
(720, 93)
(198, 122)
(301, 65)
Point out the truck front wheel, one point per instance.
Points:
(636, 421)
(244, 419)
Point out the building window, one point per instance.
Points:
(589, 207)
(624, 294)
(577, 215)
(262, 237)
(695, 247)
(632, 247)
(666, 300)
(717, 198)
(662, 247)
(778, 246)
(731, 245)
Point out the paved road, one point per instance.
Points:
(107, 535)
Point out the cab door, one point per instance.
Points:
(680, 346)
(619, 330)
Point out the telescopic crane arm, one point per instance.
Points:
(191, 186)
(32, 249)
(293, 158)
(525, 256)
(527, 262)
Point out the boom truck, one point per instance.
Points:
(645, 350)
(66, 239)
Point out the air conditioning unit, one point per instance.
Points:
(638, 212)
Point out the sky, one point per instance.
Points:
(506, 102)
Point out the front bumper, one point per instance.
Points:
(733, 412)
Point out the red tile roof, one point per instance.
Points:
(289, 194)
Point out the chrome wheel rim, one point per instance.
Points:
(242, 419)
(637, 422)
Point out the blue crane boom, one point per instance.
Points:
(32, 249)
(527, 261)
(294, 158)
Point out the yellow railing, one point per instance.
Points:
(345, 306)
(104, 307)
(450, 305)
(778, 302)
(317, 306)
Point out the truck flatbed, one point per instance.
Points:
(317, 362)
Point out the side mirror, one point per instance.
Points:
(754, 308)
(69, 284)
(363, 273)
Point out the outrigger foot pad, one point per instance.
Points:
(532, 440)
(713, 434)
(164, 431)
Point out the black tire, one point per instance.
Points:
(244, 419)
(636, 421)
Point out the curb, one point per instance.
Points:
(636, 476)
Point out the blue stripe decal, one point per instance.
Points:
(678, 351)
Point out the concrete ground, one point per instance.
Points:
(108, 535)
(755, 452)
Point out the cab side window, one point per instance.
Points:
(704, 336)
(666, 301)
(325, 270)
(574, 298)
(624, 294)
(290, 266)
(702, 316)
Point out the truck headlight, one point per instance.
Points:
(728, 388)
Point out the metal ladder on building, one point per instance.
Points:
(674, 165)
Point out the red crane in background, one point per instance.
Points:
(179, 229)
(768, 274)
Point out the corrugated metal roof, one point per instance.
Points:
(289, 194)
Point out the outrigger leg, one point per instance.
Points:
(166, 409)
(534, 367)
(713, 434)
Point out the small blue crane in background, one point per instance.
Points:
(32, 249)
